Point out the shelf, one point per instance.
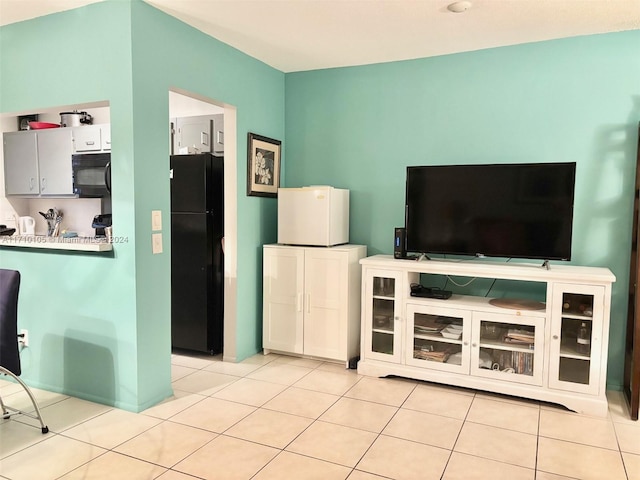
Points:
(569, 352)
(437, 338)
(82, 244)
(383, 330)
(575, 316)
(510, 347)
(470, 302)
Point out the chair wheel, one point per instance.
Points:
(45, 430)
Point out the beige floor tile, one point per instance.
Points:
(498, 397)
(550, 476)
(173, 475)
(467, 467)
(333, 443)
(426, 428)
(618, 407)
(389, 391)
(204, 382)
(429, 399)
(579, 461)
(20, 399)
(213, 414)
(513, 416)
(275, 429)
(68, 413)
(592, 431)
(628, 437)
(49, 459)
(226, 458)
(494, 443)
(298, 401)
(175, 404)
(106, 465)
(328, 381)
(280, 373)
(298, 362)
(337, 367)
(178, 372)
(250, 392)
(289, 465)
(166, 444)
(193, 360)
(360, 475)
(350, 412)
(230, 368)
(401, 459)
(632, 465)
(261, 359)
(15, 436)
(111, 428)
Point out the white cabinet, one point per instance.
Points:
(554, 350)
(576, 362)
(311, 300)
(91, 138)
(38, 162)
(199, 134)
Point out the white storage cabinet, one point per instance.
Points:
(469, 342)
(311, 300)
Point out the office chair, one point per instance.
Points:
(9, 352)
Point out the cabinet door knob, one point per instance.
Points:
(555, 337)
(474, 345)
(43, 183)
(465, 343)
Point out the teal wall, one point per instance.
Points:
(568, 100)
(99, 325)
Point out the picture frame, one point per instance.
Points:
(263, 166)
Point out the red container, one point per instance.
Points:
(41, 125)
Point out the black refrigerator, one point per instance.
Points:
(197, 259)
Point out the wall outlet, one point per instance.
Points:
(23, 339)
(156, 243)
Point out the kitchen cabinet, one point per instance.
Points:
(199, 134)
(92, 138)
(38, 162)
(553, 351)
(21, 163)
(311, 300)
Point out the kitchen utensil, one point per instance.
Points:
(42, 125)
(53, 218)
(75, 119)
(27, 225)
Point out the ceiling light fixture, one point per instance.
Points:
(459, 7)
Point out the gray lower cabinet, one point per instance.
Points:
(38, 162)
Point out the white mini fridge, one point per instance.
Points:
(315, 215)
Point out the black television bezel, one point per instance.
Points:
(411, 249)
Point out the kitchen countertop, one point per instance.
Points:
(84, 244)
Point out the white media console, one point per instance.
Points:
(527, 349)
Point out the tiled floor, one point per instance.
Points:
(277, 417)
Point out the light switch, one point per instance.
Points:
(156, 220)
(156, 243)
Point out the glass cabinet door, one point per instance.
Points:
(382, 320)
(575, 338)
(438, 338)
(507, 347)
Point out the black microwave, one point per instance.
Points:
(91, 174)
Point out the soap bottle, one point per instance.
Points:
(583, 342)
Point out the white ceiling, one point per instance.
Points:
(296, 35)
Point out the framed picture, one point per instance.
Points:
(263, 166)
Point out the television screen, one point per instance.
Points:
(498, 210)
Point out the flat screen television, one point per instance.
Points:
(500, 210)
